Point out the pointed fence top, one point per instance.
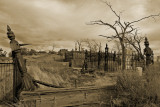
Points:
(10, 33)
(146, 41)
(8, 28)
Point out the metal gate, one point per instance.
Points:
(6, 78)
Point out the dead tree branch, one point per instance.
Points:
(150, 16)
(123, 31)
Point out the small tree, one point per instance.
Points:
(24, 51)
(92, 45)
(79, 43)
(135, 41)
(2, 54)
(32, 52)
(53, 46)
(117, 46)
(98, 45)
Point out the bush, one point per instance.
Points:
(139, 91)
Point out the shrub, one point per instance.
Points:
(139, 91)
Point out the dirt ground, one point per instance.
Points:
(81, 90)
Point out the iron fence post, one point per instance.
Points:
(99, 59)
(106, 58)
(86, 60)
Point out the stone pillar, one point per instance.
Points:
(148, 52)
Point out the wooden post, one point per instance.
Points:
(75, 83)
(14, 80)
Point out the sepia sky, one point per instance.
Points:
(44, 22)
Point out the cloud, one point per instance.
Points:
(42, 22)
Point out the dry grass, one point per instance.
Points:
(46, 69)
(140, 90)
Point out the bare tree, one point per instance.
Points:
(53, 46)
(117, 46)
(92, 45)
(121, 29)
(98, 45)
(5, 53)
(79, 43)
(135, 41)
(88, 43)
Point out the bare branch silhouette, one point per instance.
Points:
(150, 16)
(122, 30)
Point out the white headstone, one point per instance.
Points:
(139, 71)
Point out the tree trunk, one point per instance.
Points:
(123, 54)
(123, 57)
(79, 48)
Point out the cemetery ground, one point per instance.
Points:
(99, 89)
(80, 89)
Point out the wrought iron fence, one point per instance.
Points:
(107, 61)
(112, 61)
(6, 78)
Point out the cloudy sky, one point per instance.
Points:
(44, 22)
